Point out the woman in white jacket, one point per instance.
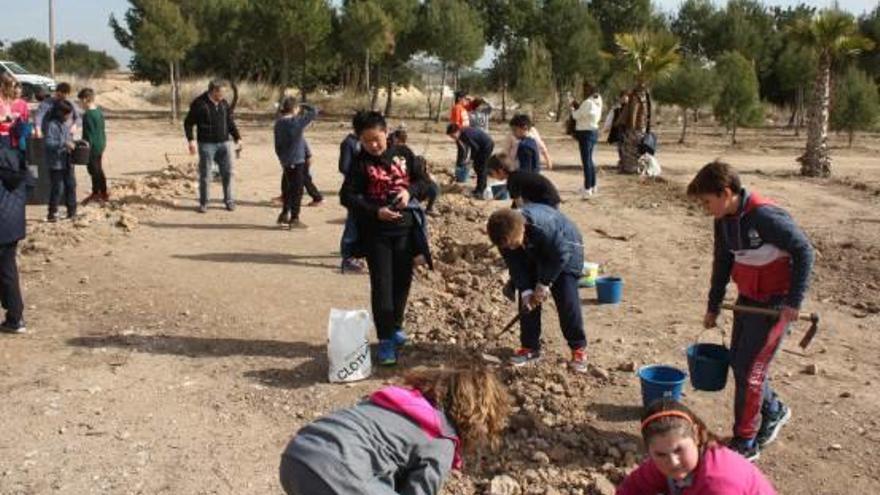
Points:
(586, 116)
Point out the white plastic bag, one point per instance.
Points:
(348, 345)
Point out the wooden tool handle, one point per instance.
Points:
(737, 308)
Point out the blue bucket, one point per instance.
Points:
(462, 173)
(609, 290)
(708, 365)
(661, 382)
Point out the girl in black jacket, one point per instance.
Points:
(380, 190)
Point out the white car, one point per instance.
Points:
(30, 83)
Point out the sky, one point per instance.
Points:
(86, 21)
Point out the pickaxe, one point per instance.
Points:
(813, 318)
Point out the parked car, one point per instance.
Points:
(30, 83)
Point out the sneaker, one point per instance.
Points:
(230, 206)
(105, 197)
(771, 425)
(746, 447)
(316, 202)
(586, 193)
(399, 338)
(524, 356)
(52, 218)
(13, 327)
(203, 209)
(90, 198)
(351, 265)
(386, 353)
(283, 219)
(578, 362)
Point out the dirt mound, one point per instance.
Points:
(550, 447)
(848, 273)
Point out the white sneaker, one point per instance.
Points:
(586, 193)
(595, 189)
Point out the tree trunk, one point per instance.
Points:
(504, 100)
(389, 95)
(851, 133)
(558, 93)
(374, 96)
(367, 72)
(173, 92)
(302, 79)
(696, 115)
(733, 135)
(799, 102)
(233, 84)
(816, 161)
(284, 76)
(440, 100)
(684, 125)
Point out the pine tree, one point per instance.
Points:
(738, 102)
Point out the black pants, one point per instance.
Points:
(62, 182)
(293, 193)
(96, 171)
(481, 169)
(10, 291)
(568, 303)
(432, 194)
(307, 182)
(390, 260)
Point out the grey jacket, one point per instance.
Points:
(368, 449)
(553, 245)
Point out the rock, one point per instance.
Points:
(835, 446)
(846, 395)
(541, 458)
(489, 358)
(812, 369)
(603, 486)
(504, 485)
(598, 372)
(628, 367)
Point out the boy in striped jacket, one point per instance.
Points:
(767, 255)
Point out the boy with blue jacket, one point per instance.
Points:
(479, 146)
(528, 155)
(349, 149)
(544, 253)
(770, 260)
(290, 147)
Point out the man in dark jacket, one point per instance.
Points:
(13, 179)
(212, 117)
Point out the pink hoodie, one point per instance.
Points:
(721, 472)
(412, 404)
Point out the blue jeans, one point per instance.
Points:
(349, 237)
(586, 142)
(221, 154)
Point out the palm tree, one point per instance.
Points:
(833, 35)
(646, 56)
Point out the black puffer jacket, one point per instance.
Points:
(13, 196)
(214, 123)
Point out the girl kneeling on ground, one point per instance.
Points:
(399, 439)
(685, 458)
(392, 230)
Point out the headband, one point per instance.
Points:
(664, 414)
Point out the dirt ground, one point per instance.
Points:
(175, 353)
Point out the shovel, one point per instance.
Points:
(813, 318)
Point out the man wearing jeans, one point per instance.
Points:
(586, 116)
(212, 117)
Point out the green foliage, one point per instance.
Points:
(693, 26)
(164, 34)
(738, 103)
(30, 53)
(690, 86)
(621, 16)
(869, 27)
(534, 83)
(77, 58)
(832, 34)
(572, 37)
(856, 104)
(647, 55)
(454, 34)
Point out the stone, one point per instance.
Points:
(603, 486)
(504, 485)
(541, 458)
(812, 369)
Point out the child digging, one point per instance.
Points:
(399, 439)
(523, 187)
(544, 254)
(478, 145)
(380, 190)
(685, 458)
(290, 148)
(770, 259)
(93, 133)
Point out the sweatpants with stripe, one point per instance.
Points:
(755, 341)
